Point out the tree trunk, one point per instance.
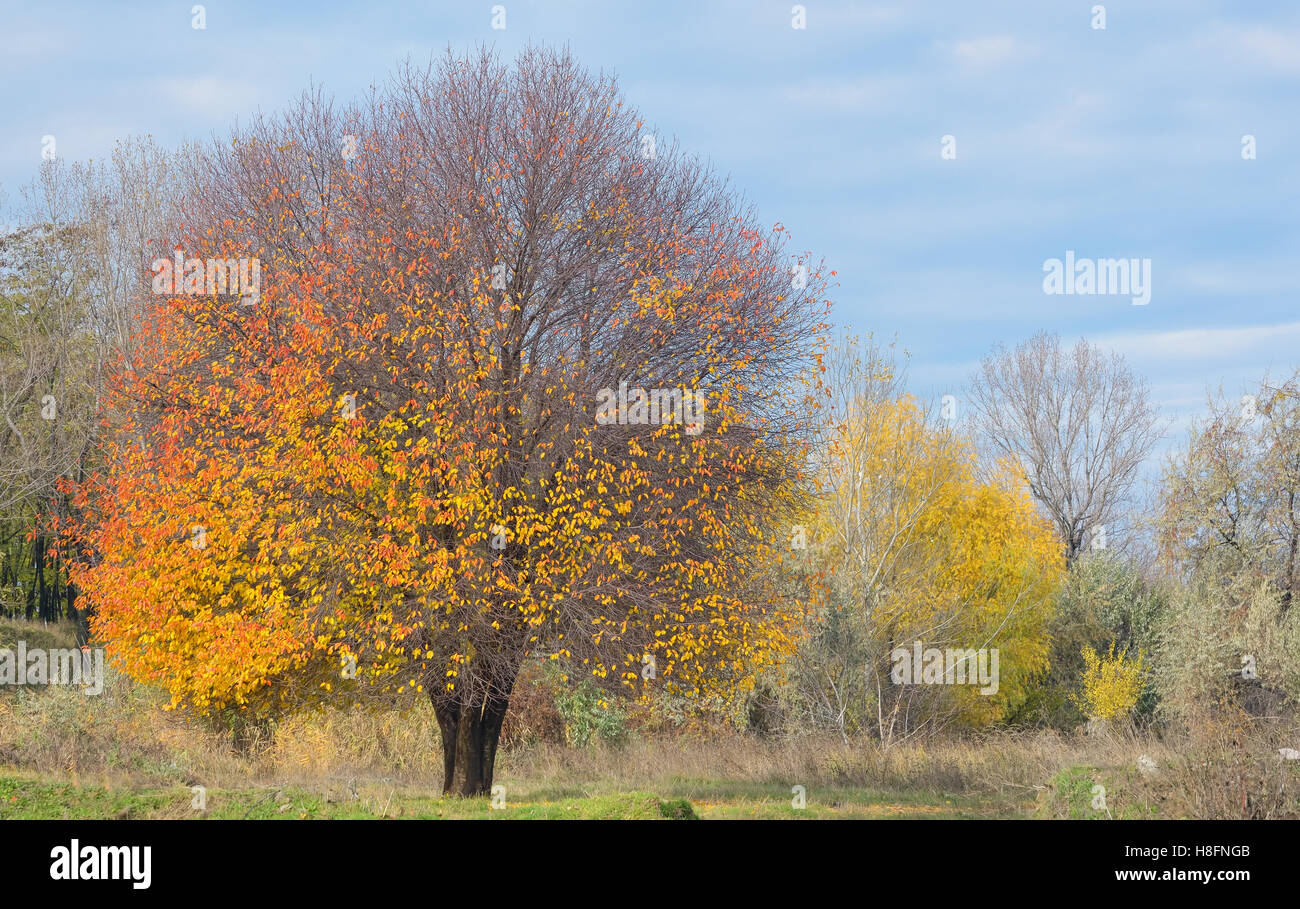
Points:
(469, 779)
(448, 718)
(471, 728)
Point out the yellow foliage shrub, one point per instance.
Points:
(1111, 683)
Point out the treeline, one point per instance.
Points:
(1112, 603)
(74, 261)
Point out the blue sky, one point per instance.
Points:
(1122, 142)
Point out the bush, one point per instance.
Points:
(1111, 684)
(1222, 629)
(1073, 795)
(589, 716)
(1229, 768)
(533, 717)
(1104, 599)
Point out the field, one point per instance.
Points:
(64, 755)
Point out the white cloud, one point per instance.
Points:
(211, 95)
(981, 53)
(1214, 344)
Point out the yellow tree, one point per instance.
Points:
(912, 546)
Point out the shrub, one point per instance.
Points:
(533, 716)
(1111, 683)
(1226, 627)
(1228, 767)
(1073, 795)
(1104, 599)
(589, 716)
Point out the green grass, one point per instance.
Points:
(32, 797)
(1071, 795)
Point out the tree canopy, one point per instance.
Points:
(383, 472)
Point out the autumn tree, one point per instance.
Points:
(388, 465)
(1077, 422)
(1229, 528)
(1232, 493)
(910, 542)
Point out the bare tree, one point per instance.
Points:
(1079, 424)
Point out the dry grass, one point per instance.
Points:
(122, 734)
(357, 744)
(1229, 767)
(124, 738)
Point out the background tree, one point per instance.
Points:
(1078, 423)
(46, 401)
(70, 277)
(1230, 530)
(386, 477)
(1233, 491)
(908, 544)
